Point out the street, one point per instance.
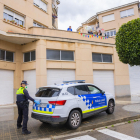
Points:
(128, 131)
(126, 109)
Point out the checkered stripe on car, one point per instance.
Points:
(48, 108)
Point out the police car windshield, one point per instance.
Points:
(48, 92)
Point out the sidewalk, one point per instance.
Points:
(8, 116)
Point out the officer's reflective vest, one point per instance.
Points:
(20, 94)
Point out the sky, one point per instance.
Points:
(75, 12)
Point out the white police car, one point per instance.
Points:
(71, 102)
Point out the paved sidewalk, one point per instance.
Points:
(8, 116)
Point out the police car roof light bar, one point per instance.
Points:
(75, 81)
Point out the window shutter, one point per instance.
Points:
(8, 12)
(19, 17)
(108, 18)
(130, 12)
(36, 2)
(123, 14)
(43, 5)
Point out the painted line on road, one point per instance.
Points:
(117, 134)
(85, 137)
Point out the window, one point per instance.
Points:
(108, 18)
(60, 55)
(5, 15)
(111, 33)
(2, 55)
(9, 15)
(101, 57)
(81, 90)
(127, 13)
(26, 57)
(32, 55)
(93, 90)
(67, 55)
(96, 57)
(9, 56)
(71, 90)
(29, 56)
(53, 54)
(42, 5)
(35, 24)
(6, 55)
(107, 57)
(50, 92)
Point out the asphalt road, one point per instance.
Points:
(128, 131)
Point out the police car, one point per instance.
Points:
(71, 102)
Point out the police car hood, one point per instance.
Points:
(108, 94)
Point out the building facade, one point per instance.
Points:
(111, 20)
(43, 55)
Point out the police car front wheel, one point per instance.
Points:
(110, 108)
(74, 119)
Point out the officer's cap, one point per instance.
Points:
(24, 82)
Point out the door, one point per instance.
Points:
(98, 100)
(7, 87)
(30, 77)
(57, 76)
(134, 74)
(104, 80)
(83, 97)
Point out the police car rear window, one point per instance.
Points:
(50, 92)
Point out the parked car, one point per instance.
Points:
(71, 102)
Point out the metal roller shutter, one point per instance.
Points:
(7, 87)
(104, 80)
(30, 77)
(58, 76)
(134, 74)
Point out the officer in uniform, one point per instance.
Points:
(23, 105)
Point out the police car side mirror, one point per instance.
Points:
(103, 92)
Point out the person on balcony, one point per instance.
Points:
(99, 33)
(69, 29)
(90, 32)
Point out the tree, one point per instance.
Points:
(128, 42)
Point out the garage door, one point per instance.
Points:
(6, 87)
(30, 77)
(134, 75)
(58, 76)
(104, 80)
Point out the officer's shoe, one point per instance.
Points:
(26, 132)
(18, 127)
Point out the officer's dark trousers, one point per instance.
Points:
(22, 114)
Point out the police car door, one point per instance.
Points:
(98, 99)
(83, 97)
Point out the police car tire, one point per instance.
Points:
(110, 108)
(69, 123)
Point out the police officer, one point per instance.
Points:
(23, 105)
